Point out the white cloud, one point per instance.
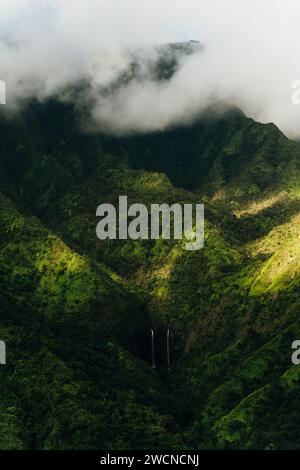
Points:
(251, 55)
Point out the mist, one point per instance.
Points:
(250, 58)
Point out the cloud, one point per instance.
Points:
(250, 57)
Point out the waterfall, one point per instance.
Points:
(168, 347)
(153, 349)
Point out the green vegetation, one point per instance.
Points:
(76, 313)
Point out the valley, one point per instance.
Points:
(84, 308)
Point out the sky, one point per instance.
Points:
(250, 59)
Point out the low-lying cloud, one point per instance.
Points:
(250, 58)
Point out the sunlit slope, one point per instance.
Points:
(74, 378)
(233, 307)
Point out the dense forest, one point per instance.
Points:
(76, 313)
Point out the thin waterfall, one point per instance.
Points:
(168, 347)
(153, 349)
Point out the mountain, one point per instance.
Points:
(76, 313)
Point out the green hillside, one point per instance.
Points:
(76, 313)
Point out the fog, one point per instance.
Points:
(250, 59)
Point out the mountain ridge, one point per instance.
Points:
(231, 376)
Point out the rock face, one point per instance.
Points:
(77, 313)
